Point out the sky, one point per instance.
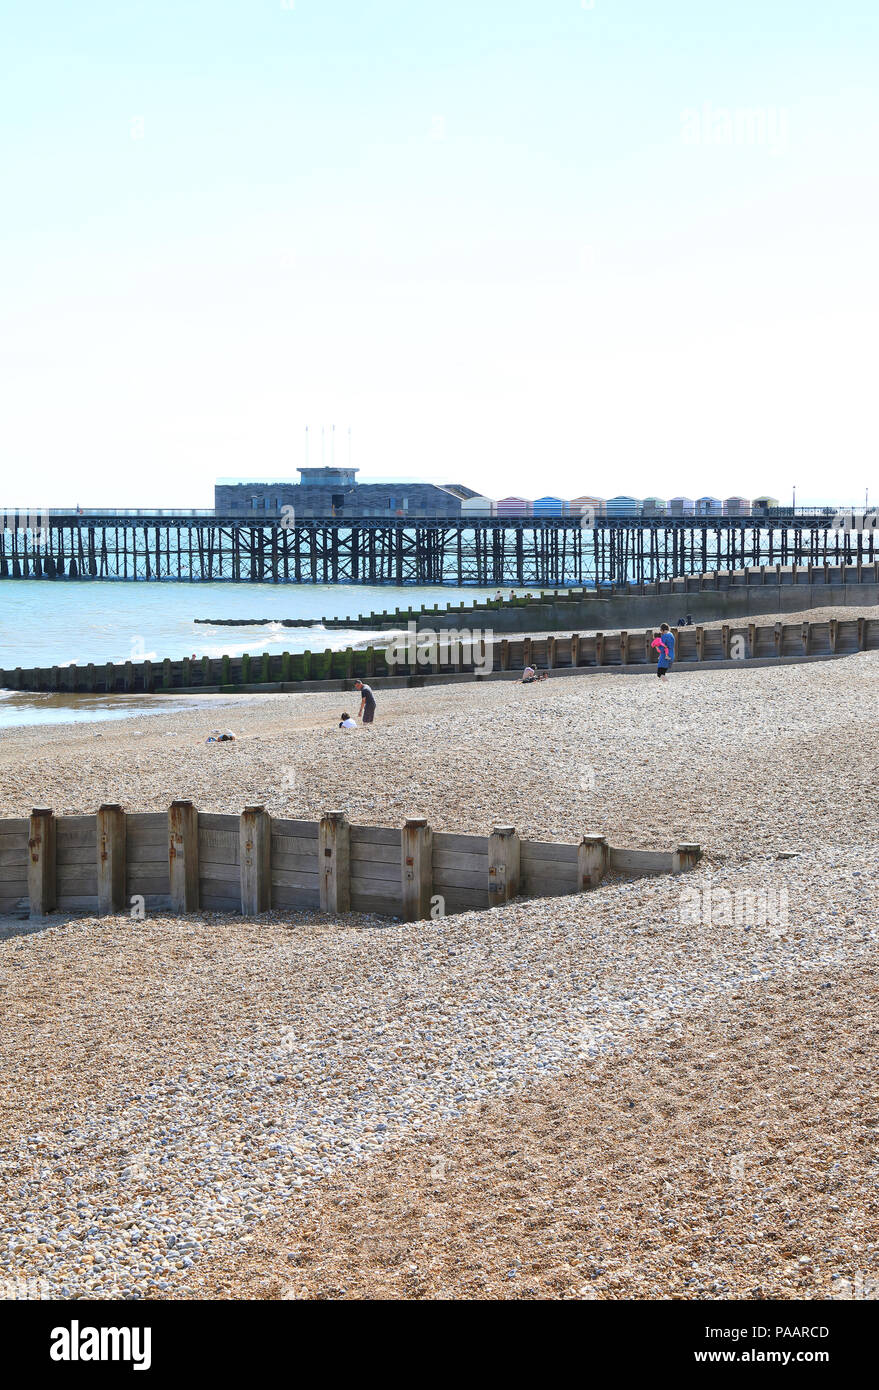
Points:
(534, 246)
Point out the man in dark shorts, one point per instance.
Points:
(367, 702)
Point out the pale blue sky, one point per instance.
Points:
(534, 247)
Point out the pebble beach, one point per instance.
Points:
(603, 1096)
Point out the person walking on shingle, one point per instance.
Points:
(367, 702)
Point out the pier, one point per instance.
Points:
(553, 552)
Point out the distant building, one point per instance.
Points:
(478, 505)
(762, 505)
(549, 506)
(653, 506)
(709, 506)
(681, 506)
(623, 506)
(592, 507)
(737, 506)
(335, 492)
(513, 506)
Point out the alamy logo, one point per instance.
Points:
(709, 905)
(848, 521)
(741, 126)
(425, 647)
(75, 1343)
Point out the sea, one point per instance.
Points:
(45, 623)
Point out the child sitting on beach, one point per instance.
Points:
(347, 722)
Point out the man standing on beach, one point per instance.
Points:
(367, 702)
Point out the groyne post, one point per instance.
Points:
(41, 861)
(504, 865)
(334, 861)
(416, 868)
(255, 840)
(183, 855)
(111, 859)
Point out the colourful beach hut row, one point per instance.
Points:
(618, 506)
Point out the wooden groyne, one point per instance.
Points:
(459, 654)
(184, 860)
(759, 590)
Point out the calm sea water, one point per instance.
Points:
(54, 624)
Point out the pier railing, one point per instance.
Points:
(184, 860)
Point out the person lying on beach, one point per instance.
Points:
(217, 737)
(529, 675)
(347, 722)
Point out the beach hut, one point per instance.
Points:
(477, 506)
(549, 506)
(737, 506)
(653, 506)
(762, 505)
(709, 506)
(513, 506)
(681, 506)
(588, 507)
(623, 506)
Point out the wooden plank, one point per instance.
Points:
(642, 860)
(295, 845)
(381, 904)
(216, 856)
(362, 872)
(78, 902)
(148, 822)
(548, 887)
(9, 858)
(308, 862)
(219, 873)
(76, 854)
(462, 900)
(14, 888)
(289, 878)
(183, 831)
(148, 854)
(545, 851)
(147, 838)
(147, 885)
(70, 837)
(15, 825)
(213, 902)
(209, 820)
(383, 854)
(295, 898)
(375, 835)
(297, 829)
(460, 878)
(453, 859)
(226, 842)
(306, 900)
(463, 844)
